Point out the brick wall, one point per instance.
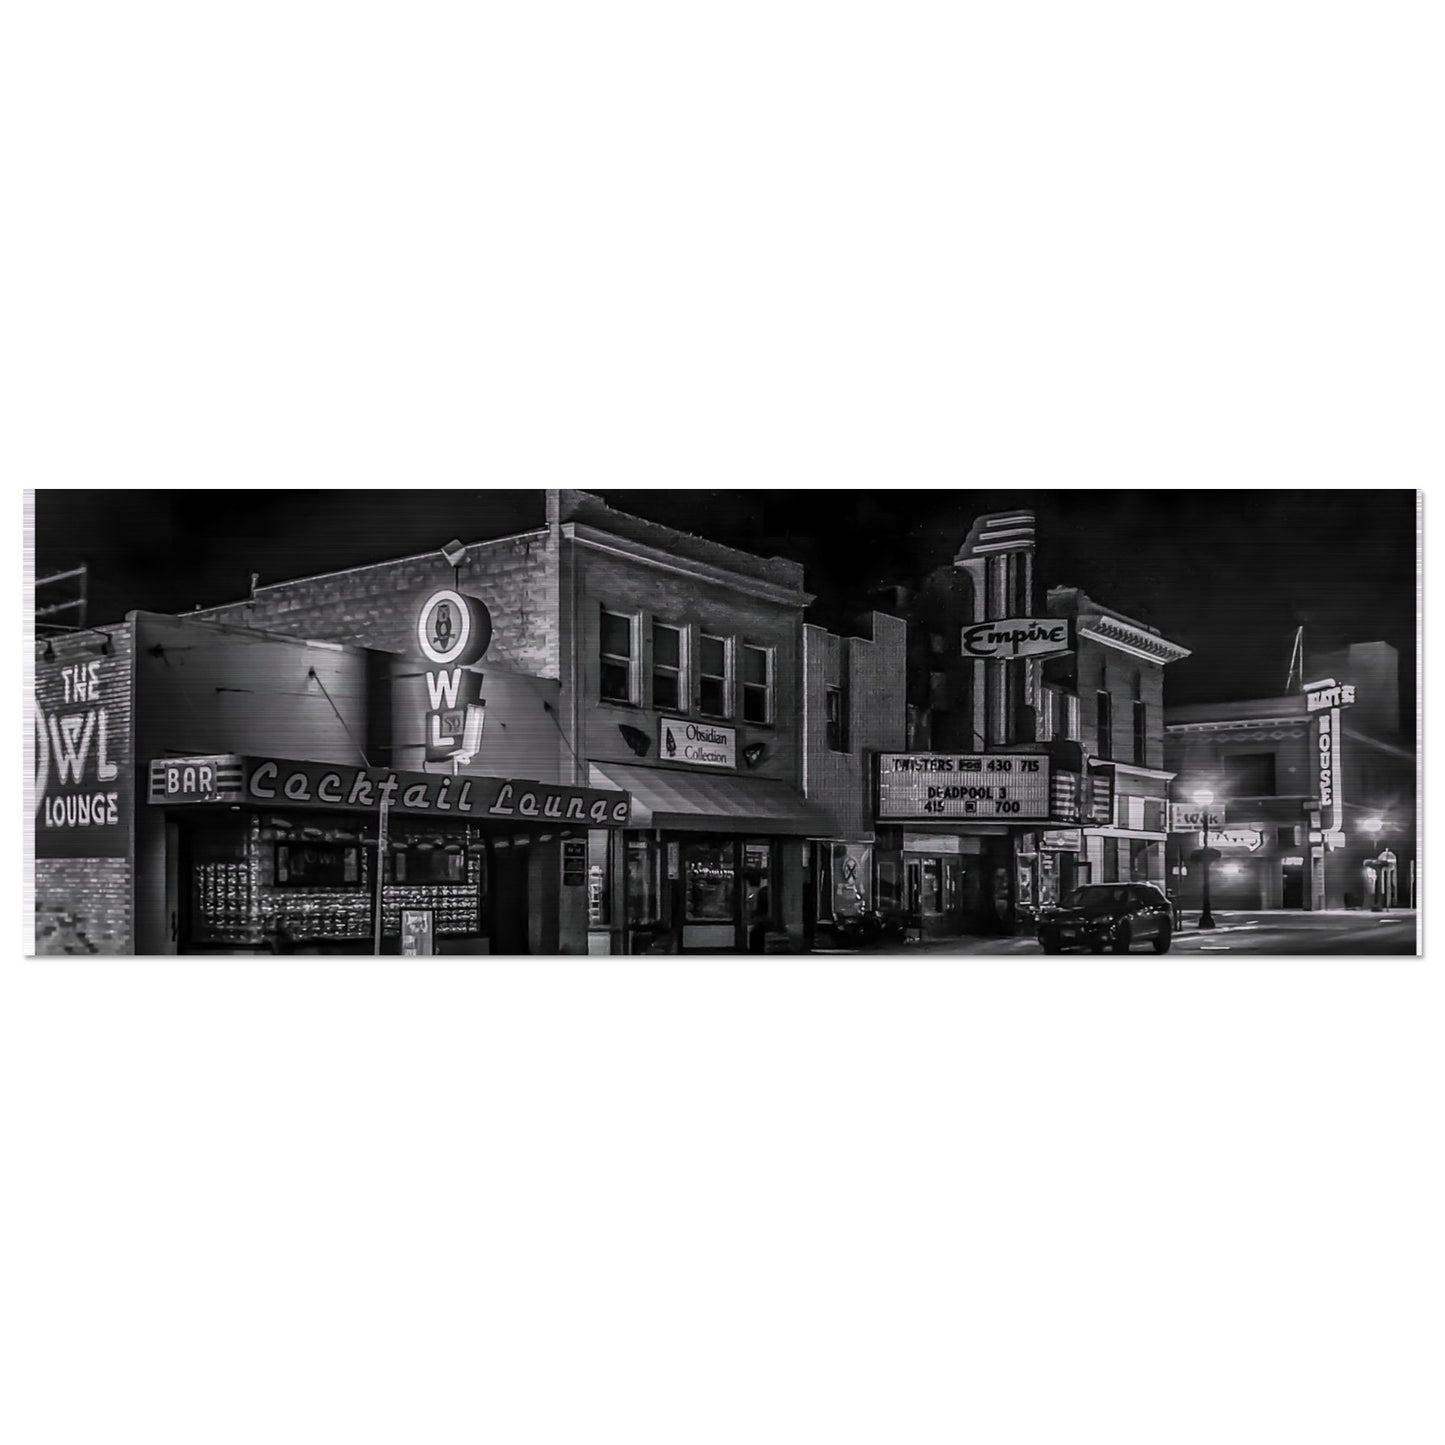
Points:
(635, 588)
(82, 905)
(875, 670)
(377, 606)
(1102, 669)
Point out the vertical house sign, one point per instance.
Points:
(1325, 699)
(452, 632)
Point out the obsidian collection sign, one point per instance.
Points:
(981, 787)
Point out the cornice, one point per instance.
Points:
(1128, 637)
(640, 552)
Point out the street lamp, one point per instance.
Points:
(1374, 827)
(1204, 797)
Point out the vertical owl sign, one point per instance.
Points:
(452, 633)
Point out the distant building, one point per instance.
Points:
(1316, 788)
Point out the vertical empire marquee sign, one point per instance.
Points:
(453, 632)
(83, 758)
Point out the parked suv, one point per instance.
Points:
(1108, 915)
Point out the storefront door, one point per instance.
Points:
(1293, 880)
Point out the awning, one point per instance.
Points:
(702, 803)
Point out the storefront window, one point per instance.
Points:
(641, 881)
(931, 885)
(429, 865)
(711, 882)
(317, 865)
(890, 885)
(850, 878)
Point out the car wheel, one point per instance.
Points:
(1166, 937)
(1123, 938)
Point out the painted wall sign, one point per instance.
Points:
(453, 631)
(82, 758)
(1189, 817)
(274, 782)
(1062, 840)
(1011, 637)
(957, 785)
(1328, 693)
(704, 745)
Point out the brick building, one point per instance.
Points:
(853, 709)
(1033, 756)
(1311, 789)
(594, 659)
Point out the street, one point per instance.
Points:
(1346, 933)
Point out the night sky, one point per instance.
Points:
(1228, 574)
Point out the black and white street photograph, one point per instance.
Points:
(726, 722)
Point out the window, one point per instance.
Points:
(1141, 734)
(890, 886)
(712, 682)
(640, 881)
(599, 858)
(1250, 775)
(837, 725)
(757, 684)
(710, 880)
(617, 653)
(317, 865)
(428, 865)
(1045, 713)
(1106, 728)
(1071, 716)
(666, 666)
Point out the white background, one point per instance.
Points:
(475, 246)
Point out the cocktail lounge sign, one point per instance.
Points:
(274, 782)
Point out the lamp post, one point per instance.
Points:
(1204, 797)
